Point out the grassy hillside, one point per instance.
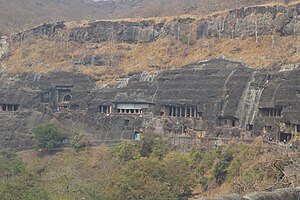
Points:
(124, 59)
(148, 169)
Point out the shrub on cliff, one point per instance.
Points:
(47, 136)
(80, 140)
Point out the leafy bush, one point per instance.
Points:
(16, 182)
(79, 140)
(47, 137)
(221, 167)
(10, 165)
(147, 143)
(151, 178)
(149, 146)
(126, 150)
(186, 40)
(196, 156)
(160, 149)
(153, 145)
(204, 183)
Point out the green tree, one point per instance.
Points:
(221, 168)
(126, 150)
(47, 137)
(147, 144)
(10, 165)
(152, 178)
(140, 179)
(153, 145)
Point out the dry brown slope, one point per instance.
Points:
(163, 54)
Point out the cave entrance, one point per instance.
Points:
(298, 128)
(9, 107)
(228, 121)
(67, 98)
(270, 112)
(105, 109)
(181, 111)
(249, 127)
(136, 136)
(285, 137)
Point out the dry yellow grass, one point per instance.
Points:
(44, 56)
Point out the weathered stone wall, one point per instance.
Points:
(252, 22)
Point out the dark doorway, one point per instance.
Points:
(67, 98)
(285, 137)
(249, 127)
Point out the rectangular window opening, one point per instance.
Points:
(249, 127)
(126, 122)
(298, 128)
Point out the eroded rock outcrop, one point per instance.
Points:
(242, 23)
(4, 46)
(252, 22)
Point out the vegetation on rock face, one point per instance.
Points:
(47, 136)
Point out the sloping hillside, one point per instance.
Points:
(108, 172)
(261, 36)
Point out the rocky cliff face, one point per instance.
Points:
(213, 99)
(242, 23)
(4, 46)
(101, 31)
(252, 22)
(217, 98)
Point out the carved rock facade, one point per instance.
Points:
(215, 99)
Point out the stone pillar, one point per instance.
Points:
(172, 111)
(180, 111)
(185, 113)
